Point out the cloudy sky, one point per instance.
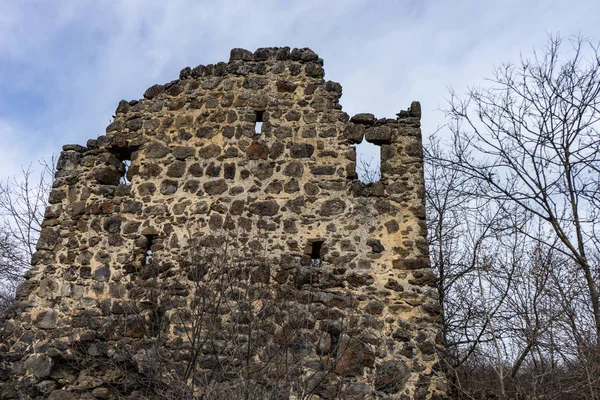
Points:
(65, 64)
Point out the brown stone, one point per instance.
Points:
(379, 135)
(323, 170)
(107, 175)
(39, 365)
(196, 170)
(61, 395)
(265, 208)
(410, 263)
(357, 280)
(112, 224)
(75, 209)
(215, 187)
(363, 119)
(183, 152)
(392, 284)
(48, 239)
(332, 207)
(209, 151)
(391, 376)
(354, 357)
(146, 189)
(153, 91)
(257, 151)
(301, 150)
(156, 150)
(176, 169)
(392, 227)
(286, 86)
(168, 186)
(294, 168)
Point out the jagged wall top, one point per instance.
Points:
(200, 176)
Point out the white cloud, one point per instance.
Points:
(72, 61)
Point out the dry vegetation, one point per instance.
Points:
(513, 219)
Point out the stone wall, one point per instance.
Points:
(186, 250)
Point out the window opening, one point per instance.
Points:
(124, 180)
(124, 154)
(335, 343)
(259, 122)
(368, 162)
(315, 253)
(148, 252)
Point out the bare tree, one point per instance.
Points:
(512, 212)
(22, 203)
(532, 140)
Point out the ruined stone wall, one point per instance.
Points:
(341, 267)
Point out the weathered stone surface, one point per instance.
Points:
(410, 263)
(302, 150)
(215, 187)
(240, 54)
(364, 119)
(176, 169)
(286, 86)
(376, 246)
(168, 186)
(391, 376)
(257, 151)
(112, 224)
(379, 134)
(323, 170)
(156, 150)
(295, 168)
(264, 244)
(269, 207)
(47, 319)
(61, 395)
(106, 175)
(49, 237)
(153, 91)
(183, 152)
(209, 151)
(39, 365)
(332, 207)
(102, 274)
(146, 189)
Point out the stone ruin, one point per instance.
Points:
(216, 243)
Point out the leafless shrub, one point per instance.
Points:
(229, 332)
(512, 203)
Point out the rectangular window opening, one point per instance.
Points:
(368, 162)
(148, 251)
(335, 343)
(124, 155)
(259, 122)
(315, 253)
(124, 180)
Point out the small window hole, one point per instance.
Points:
(368, 162)
(259, 122)
(335, 343)
(148, 251)
(315, 253)
(124, 155)
(124, 180)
